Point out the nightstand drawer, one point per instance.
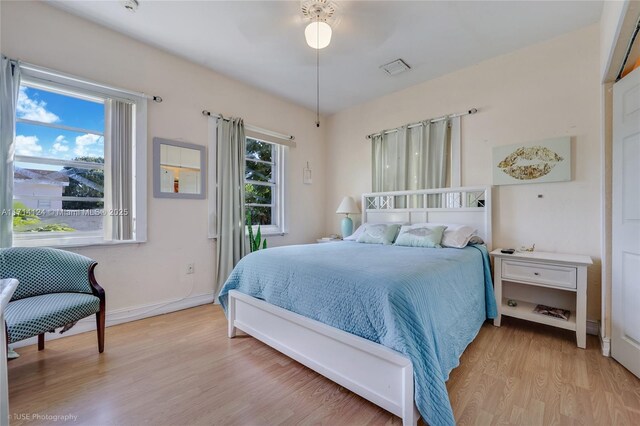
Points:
(551, 275)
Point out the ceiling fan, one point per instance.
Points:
(318, 34)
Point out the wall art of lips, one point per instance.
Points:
(527, 163)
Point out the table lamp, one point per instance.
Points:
(347, 206)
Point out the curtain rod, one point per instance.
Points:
(37, 68)
(433, 120)
(251, 127)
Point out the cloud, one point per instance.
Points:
(60, 145)
(84, 143)
(32, 109)
(27, 145)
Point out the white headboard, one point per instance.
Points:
(467, 206)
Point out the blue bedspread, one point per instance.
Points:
(427, 304)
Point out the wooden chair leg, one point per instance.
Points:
(41, 341)
(100, 320)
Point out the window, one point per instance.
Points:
(58, 168)
(264, 189)
(62, 166)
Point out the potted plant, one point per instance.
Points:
(255, 242)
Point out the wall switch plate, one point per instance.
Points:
(190, 268)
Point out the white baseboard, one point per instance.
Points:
(120, 316)
(605, 343)
(593, 327)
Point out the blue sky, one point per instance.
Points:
(48, 107)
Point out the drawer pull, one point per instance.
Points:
(548, 275)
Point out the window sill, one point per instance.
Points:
(69, 242)
(264, 234)
(268, 231)
(274, 234)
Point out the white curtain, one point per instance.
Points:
(9, 86)
(118, 185)
(230, 218)
(411, 158)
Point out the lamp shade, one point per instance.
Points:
(348, 206)
(318, 34)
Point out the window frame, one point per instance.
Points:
(69, 85)
(54, 161)
(278, 191)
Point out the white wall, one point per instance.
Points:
(547, 90)
(40, 190)
(144, 276)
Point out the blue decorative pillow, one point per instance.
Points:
(420, 236)
(379, 233)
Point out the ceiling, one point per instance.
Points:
(262, 43)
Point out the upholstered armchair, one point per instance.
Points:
(56, 288)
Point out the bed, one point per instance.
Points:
(387, 322)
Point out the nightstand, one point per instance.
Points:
(553, 279)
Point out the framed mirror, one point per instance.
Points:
(179, 169)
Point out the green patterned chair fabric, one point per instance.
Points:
(40, 314)
(55, 288)
(42, 270)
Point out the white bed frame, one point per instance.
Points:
(375, 372)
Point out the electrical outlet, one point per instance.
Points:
(190, 268)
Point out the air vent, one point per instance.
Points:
(395, 67)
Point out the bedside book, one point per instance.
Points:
(550, 311)
(329, 240)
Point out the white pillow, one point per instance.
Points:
(360, 230)
(475, 239)
(356, 234)
(456, 235)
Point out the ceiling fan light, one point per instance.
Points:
(318, 34)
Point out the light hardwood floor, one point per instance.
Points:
(180, 369)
